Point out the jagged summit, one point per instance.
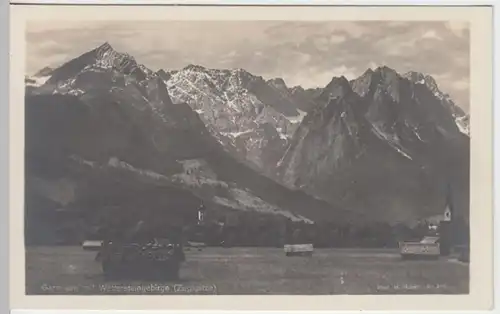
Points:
(163, 74)
(385, 69)
(383, 72)
(278, 81)
(338, 142)
(368, 71)
(249, 115)
(387, 74)
(383, 78)
(414, 76)
(236, 72)
(425, 79)
(243, 74)
(421, 78)
(361, 85)
(241, 70)
(461, 119)
(297, 88)
(107, 57)
(106, 46)
(387, 130)
(338, 87)
(103, 57)
(195, 67)
(342, 79)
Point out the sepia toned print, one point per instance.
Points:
(247, 157)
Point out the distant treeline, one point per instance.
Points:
(244, 230)
(368, 235)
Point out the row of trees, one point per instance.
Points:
(328, 234)
(265, 231)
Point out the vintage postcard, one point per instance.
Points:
(293, 158)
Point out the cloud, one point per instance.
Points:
(461, 85)
(431, 34)
(335, 39)
(306, 53)
(349, 73)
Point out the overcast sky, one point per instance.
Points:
(302, 53)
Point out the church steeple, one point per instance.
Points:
(446, 235)
(449, 208)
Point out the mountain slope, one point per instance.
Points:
(251, 117)
(304, 98)
(107, 126)
(382, 145)
(461, 118)
(103, 128)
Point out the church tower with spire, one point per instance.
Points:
(446, 225)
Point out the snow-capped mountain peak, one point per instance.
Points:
(107, 57)
(416, 77)
(426, 79)
(461, 119)
(377, 126)
(249, 115)
(194, 67)
(381, 127)
(102, 58)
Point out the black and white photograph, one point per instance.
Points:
(247, 157)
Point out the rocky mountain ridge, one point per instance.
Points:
(380, 127)
(107, 127)
(251, 117)
(102, 117)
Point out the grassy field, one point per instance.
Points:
(71, 270)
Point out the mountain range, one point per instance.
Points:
(105, 131)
